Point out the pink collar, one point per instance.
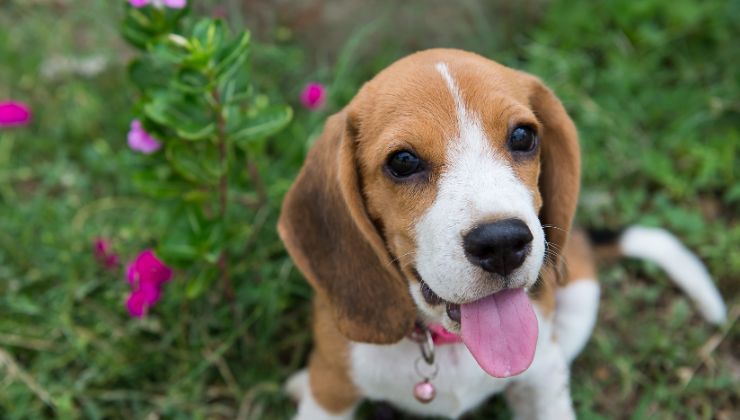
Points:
(440, 335)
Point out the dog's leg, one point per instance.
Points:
(310, 409)
(298, 388)
(543, 392)
(297, 385)
(577, 303)
(575, 316)
(323, 391)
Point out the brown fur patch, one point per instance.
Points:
(579, 258)
(608, 253)
(543, 293)
(577, 263)
(328, 368)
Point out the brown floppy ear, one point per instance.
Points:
(560, 174)
(326, 229)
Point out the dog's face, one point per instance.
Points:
(435, 187)
(451, 162)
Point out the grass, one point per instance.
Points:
(652, 86)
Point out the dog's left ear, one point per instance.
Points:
(560, 173)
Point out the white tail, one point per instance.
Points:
(683, 267)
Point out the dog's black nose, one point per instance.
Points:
(498, 247)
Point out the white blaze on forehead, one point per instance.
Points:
(462, 113)
(477, 186)
(470, 133)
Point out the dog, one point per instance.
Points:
(433, 219)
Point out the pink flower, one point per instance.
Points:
(14, 113)
(141, 141)
(141, 299)
(104, 254)
(147, 268)
(313, 96)
(173, 4)
(146, 275)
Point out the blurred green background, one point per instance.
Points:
(653, 85)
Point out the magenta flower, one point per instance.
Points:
(146, 275)
(13, 113)
(147, 268)
(313, 96)
(141, 299)
(141, 141)
(173, 4)
(104, 253)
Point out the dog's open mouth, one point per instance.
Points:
(499, 330)
(453, 309)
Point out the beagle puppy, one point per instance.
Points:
(433, 219)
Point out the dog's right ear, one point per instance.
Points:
(560, 174)
(326, 229)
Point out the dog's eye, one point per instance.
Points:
(522, 139)
(404, 163)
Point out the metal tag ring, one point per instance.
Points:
(431, 375)
(427, 347)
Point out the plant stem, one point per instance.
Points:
(259, 186)
(223, 191)
(259, 204)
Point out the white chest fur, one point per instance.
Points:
(387, 372)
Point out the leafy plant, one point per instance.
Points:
(196, 97)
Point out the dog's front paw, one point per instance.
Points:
(296, 385)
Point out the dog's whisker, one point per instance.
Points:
(398, 258)
(549, 226)
(553, 254)
(552, 248)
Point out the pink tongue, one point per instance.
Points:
(501, 332)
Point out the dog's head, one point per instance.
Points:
(446, 180)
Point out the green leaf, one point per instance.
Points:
(196, 162)
(194, 132)
(191, 81)
(184, 241)
(144, 26)
(196, 196)
(232, 56)
(179, 244)
(235, 91)
(196, 286)
(208, 36)
(164, 110)
(186, 115)
(266, 123)
(147, 74)
(168, 52)
(158, 182)
(174, 251)
(154, 188)
(138, 27)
